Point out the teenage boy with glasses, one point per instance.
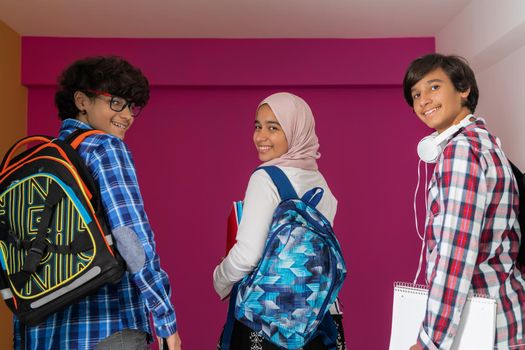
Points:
(107, 93)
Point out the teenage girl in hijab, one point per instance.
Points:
(284, 136)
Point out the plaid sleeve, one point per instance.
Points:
(114, 170)
(462, 200)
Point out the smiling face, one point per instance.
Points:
(100, 116)
(269, 137)
(437, 102)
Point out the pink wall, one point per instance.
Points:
(194, 155)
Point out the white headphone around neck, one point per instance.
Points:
(429, 148)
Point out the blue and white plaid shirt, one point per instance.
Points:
(126, 304)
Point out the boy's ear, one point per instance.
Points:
(81, 100)
(465, 93)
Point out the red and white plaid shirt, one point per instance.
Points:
(473, 239)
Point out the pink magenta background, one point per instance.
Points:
(193, 151)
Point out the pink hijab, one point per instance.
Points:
(297, 121)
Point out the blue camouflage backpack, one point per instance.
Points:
(299, 275)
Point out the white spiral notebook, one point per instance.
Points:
(476, 329)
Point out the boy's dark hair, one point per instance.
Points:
(109, 74)
(456, 68)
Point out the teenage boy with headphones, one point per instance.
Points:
(472, 231)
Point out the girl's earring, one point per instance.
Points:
(83, 111)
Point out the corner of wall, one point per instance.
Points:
(13, 96)
(491, 36)
(13, 99)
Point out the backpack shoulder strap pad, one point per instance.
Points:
(79, 135)
(280, 180)
(520, 179)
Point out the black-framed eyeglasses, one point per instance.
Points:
(118, 104)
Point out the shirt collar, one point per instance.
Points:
(478, 123)
(73, 124)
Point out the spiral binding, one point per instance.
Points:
(423, 290)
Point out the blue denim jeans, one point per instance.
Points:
(127, 339)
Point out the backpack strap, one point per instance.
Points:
(286, 190)
(39, 244)
(79, 135)
(313, 196)
(520, 179)
(226, 336)
(280, 180)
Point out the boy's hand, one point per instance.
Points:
(173, 341)
(415, 347)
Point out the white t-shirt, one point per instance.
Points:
(260, 202)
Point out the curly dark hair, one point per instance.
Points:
(456, 68)
(109, 74)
